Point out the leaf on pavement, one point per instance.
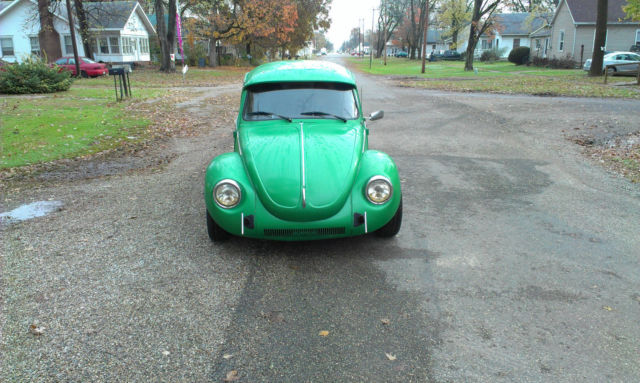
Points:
(165, 353)
(36, 330)
(227, 356)
(385, 321)
(323, 333)
(231, 376)
(608, 308)
(390, 356)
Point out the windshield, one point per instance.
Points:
(88, 61)
(300, 100)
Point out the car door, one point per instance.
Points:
(72, 66)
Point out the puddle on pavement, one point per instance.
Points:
(29, 211)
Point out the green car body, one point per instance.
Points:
(303, 178)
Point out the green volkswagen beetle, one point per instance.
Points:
(301, 168)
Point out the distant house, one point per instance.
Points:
(512, 30)
(120, 31)
(574, 28)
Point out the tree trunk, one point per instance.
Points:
(161, 31)
(85, 36)
(213, 53)
(171, 33)
(473, 35)
(48, 37)
(600, 39)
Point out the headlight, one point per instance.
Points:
(379, 190)
(226, 193)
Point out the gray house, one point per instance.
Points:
(574, 28)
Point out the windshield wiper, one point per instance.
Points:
(324, 114)
(262, 113)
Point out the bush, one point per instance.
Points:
(561, 63)
(34, 76)
(489, 56)
(519, 55)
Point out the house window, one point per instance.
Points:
(127, 49)
(516, 43)
(144, 45)
(561, 42)
(35, 45)
(104, 46)
(94, 45)
(68, 45)
(538, 44)
(638, 37)
(115, 45)
(486, 44)
(6, 44)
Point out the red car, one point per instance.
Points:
(88, 67)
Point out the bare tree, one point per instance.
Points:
(481, 21)
(600, 39)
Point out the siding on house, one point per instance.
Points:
(19, 24)
(563, 22)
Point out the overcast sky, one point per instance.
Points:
(345, 15)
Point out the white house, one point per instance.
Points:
(512, 30)
(120, 31)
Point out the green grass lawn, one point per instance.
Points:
(498, 77)
(87, 119)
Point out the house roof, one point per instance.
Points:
(544, 31)
(584, 11)
(109, 15)
(516, 23)
(4, 4)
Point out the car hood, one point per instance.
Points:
(273, 155)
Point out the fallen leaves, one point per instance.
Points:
(166, 353)
(608, 308)
(231, 376)
(391, 357)
(36, 330)
(385, 321)
(323, 333)
(227, 356)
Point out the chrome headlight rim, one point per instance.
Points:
(229, 182)
(379, 178)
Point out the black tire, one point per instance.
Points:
(84, 74)
(216, 233)
(611, 71)
(393, 226)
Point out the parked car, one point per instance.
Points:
(451, 55)
(88, 67)
(615, 60)
(401, 54)
(301, 167)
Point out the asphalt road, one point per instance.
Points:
(518, 260)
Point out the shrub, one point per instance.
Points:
(490, 55)
(33, 76)
(519, 55)
(561, 63)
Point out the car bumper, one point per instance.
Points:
(250, 218)
(96, 72)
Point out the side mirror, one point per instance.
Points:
(377, 115)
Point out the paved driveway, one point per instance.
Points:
(518, 260)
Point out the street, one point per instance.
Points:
(518, 260)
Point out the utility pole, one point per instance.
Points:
(73, 37)
(384, 30)
(373, 13)
(424, 38)
(359, 43)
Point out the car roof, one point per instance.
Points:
(622, 53)
(299, 71)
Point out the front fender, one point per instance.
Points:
(228, 166)
(375, 163)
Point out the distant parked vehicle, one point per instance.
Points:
(401, 54)
(451, 55)
(618, 63)
(88, 67)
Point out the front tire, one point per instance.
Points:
(84, 74)
(216, 233)
(393, 226)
